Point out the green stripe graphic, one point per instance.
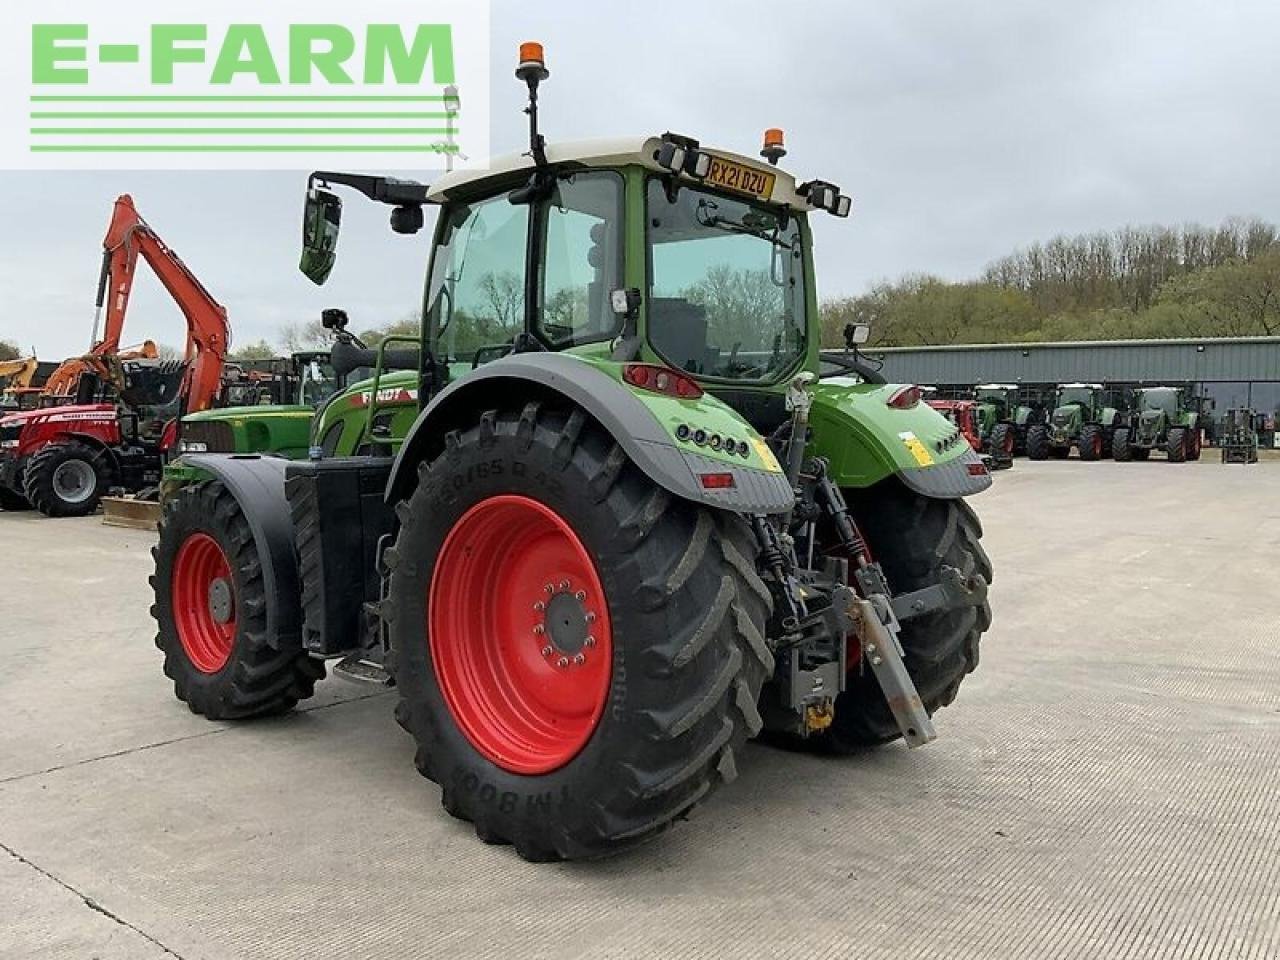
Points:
(202, 115)
(364, 98)
(243, 148)
(202, 131)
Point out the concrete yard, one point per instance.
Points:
(1105, 786)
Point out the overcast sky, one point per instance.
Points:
(962, 131)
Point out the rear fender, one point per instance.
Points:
(865, 441)
(257, 483)
(643, 423)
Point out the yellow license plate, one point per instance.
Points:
(740, 178)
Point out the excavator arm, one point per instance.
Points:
(208, 331)
(20, 372)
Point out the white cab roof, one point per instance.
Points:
(616, 151)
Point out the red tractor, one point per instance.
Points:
(964, 414)
(62, 459)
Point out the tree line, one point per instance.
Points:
(1135, 282)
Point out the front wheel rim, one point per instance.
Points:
(204, 603)
(519, 634)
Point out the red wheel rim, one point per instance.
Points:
(519, 632)
(1097, 445)
(204, 608)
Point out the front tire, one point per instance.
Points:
(912, 537)
(522, 502)
(1176, 445)
(211, 613)
(1003, 440)
(1120, 448)
(65, 480)
(1091, 442)
(1038, 442)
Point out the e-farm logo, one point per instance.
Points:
(247, 85)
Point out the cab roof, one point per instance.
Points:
(609, 152)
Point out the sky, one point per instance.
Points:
(962, 131)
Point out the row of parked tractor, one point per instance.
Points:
(1099, 421)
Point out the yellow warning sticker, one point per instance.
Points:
(770, 461)
(918, 449)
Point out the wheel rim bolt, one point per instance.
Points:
(564, 584)
(579, 659)
(546, 651)
(591, 617)
(590, 642)
(580, 595)
(539, 606)
(550, 588)
(562, 662)
(539, 630)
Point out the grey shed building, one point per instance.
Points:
(1234, 372)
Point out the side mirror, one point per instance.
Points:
(321, 221)
(856, 334)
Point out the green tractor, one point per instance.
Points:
(315, 399)
(629, 526)
(1163, 418)
(1085, 415)
(1005, 414)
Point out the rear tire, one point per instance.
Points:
(1091, 442)
(1120, 448)
(1175, 445)
(65, 480)
(1003, 440)
(1194, 443)
(912, 537)
(1038, 442)
(684, 611)
(217, 651)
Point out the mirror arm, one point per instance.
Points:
(388, 190)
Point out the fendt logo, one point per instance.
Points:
(243, 85)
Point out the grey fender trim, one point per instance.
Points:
(947, 481)
(622, 415)
(257, 483)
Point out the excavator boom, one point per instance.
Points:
(208, 331)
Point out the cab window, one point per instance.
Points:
(475, 297)
(582, 240)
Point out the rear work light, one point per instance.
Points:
(904, 398)
(716, 481)
(658, 379)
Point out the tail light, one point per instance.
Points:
(904, 398)
(658, 379)
(716, 481)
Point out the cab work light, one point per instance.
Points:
(826, 196)
(681, 155)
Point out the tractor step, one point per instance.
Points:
(359, 670)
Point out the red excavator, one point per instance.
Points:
(62, 459)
